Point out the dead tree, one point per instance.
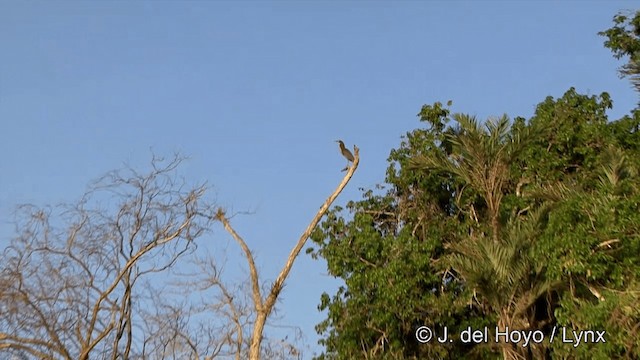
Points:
(100, 286)
(264, 305)
(75, 277)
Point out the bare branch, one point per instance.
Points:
(71, 280)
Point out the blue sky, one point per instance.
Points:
(255, 93)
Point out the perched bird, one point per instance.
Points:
(345, 152)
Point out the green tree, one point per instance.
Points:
(497, 270)
(478, 226)
(388, 255)
(624, 41)
(530, 224)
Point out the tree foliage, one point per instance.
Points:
(624, 41)
(530, 224)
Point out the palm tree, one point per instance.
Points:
(480, 158)
(505, 281)
(497, 271)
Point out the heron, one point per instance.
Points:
(345, 152)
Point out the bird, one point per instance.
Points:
(345, 152)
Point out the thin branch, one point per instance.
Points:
(255, 285)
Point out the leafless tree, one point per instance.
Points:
(229, 321)
(98, 279)
(70, 277)
(264, 305)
